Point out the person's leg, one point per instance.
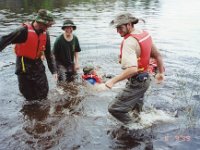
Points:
(70, 76)
(61, 75)
(128, 99)
(26, 87)
(139, 104)
(41, 86)
(71, 73)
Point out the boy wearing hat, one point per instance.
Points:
(136, 49)
(30, 69)
(66, 49)
(90, 75)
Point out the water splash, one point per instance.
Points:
(151, 117)
(155, 116)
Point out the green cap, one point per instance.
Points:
(88, 69)
(68, 23)
(123, 18)
(45, 16)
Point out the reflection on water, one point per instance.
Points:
(26, 7)
(36, 110)
(45, 121)
(74, 117)
(29, 6)
(142, 139)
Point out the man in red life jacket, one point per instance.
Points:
(136, 49)
(32, 45)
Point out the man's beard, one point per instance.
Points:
(39, 31)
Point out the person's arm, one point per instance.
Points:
(50, 57)
(76, 61)
(157, 56)
(125, 74)
(56, 50)
(76, 58)
(129, 62)
(17, 36)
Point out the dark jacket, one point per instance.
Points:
(64, 51)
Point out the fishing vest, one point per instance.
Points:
(92, 76)
(145, 42)
(34, 46)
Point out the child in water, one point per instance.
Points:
(90, 75)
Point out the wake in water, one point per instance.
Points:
(148, 117)
(152, 117)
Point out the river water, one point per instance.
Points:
(75, 117)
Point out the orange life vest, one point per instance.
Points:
(87, 76)
(145, 42)
(34, 46)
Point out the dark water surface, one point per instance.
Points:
(77, 118)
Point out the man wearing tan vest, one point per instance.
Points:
(136, 50)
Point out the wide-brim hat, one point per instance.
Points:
(68, 23)
(123, 18)
(45, 17)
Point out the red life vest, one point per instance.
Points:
(34, 46)
(145, 42)
(87, 76)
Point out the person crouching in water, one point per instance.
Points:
(66, 49)
(32, 43)
(90, 75)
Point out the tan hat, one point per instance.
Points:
(123, 18)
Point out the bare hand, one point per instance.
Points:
(159, 78)
(109, 84)
(100, 87)
(77, 67)
(42, 57)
